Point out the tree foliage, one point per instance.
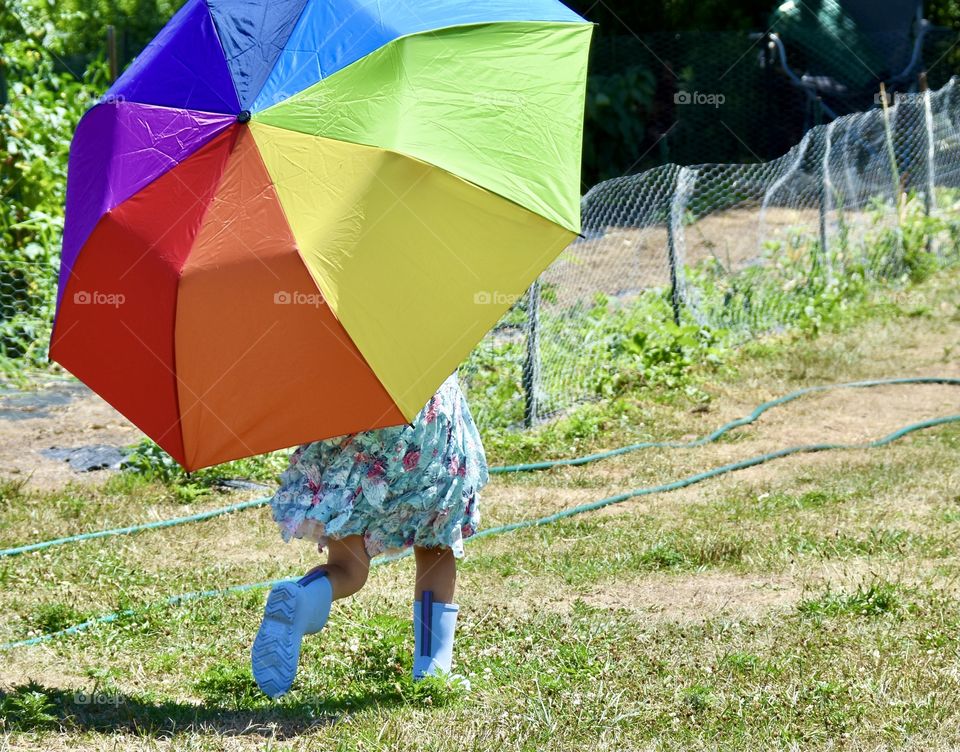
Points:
(674, 15)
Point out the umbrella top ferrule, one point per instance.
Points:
(243, 116)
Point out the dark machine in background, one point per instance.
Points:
(743, 95)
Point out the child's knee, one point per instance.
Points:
(351, 575)
(358, 576)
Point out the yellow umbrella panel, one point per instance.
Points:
(429, 183)
(415, 263)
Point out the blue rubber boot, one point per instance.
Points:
(434, 625)
(294, 608)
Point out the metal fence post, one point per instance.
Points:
(112, 52)
(683, 184)
(822, 199)
(929, 195)
(822, 210)
(672, 257)
(824, 202)
(531, 364)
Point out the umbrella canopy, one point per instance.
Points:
(292, 219)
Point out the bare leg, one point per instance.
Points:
(347, 565)
(437, 572)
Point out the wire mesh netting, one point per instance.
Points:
(870, 198)
(27, 295)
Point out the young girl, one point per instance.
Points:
(373, 493)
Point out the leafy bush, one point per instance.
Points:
(797, 285)
(74, 31)
(149, 461)
(27, 708)
(621, 345)
(660, 355)
(36, 124)
(615, 121)
(152, 462)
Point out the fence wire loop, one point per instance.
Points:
(869, 198)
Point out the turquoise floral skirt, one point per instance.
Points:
(407, 485)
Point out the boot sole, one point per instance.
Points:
(276, 649)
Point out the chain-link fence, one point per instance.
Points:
(868, 198)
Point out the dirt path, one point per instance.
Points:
(57, 413)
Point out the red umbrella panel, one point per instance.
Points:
(172, 253)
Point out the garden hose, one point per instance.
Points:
(132, 528)
(510, 527)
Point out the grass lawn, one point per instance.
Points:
(810, 603)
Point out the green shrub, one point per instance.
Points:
(616, 117)
(43, 106)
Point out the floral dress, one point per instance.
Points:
(398, 486)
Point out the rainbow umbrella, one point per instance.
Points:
(291, 219)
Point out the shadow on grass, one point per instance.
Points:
(35, 707)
